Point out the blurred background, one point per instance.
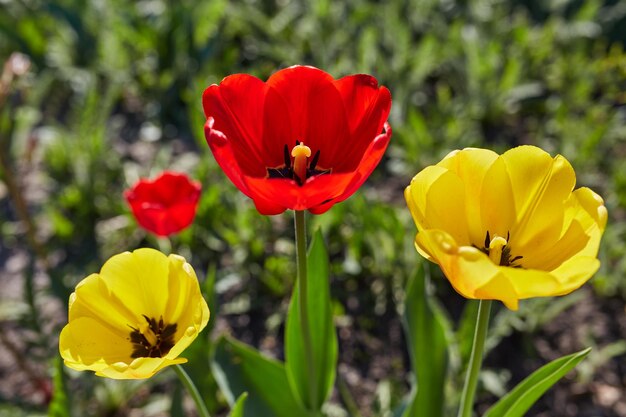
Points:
(95, 94)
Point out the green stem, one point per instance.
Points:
(476, 359)
(192, 390)
(300, 226)
(164, 244)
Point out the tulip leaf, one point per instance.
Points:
(312, 378)
(238, 368)
(527, 392)
(425, 327)
(237, 410)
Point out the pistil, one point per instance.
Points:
(300, 154)
(499, 251)
(496, 247)
(152, 339)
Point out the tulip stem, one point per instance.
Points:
(300, 226)
(476, 359)
(164, 244)
(192, 390)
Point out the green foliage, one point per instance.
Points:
(426, 330)
(239, 368)
(312, 378)
(237, 410)
(524, 395)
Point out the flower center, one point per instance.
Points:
(152, 340)
(499, 252)
(300, 168)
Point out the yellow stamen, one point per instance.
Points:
(496, 246)
(300, 153)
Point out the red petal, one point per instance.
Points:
(173, 188)
(367, 109)
(304, 105)
(223, 154)
(165, 205)
(290, 195)
(237, 106)
(371, 158)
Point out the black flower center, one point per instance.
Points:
(155, 341)
(506, 258)
(291, 170)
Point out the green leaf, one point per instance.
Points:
(312, 380)
(237, 410)
(425, 328)
(239, 368)
(59, 406)
(527, 392)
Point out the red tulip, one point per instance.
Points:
(302, 140)
(165, 205)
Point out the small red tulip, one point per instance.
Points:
(165, 205)
(300, 141)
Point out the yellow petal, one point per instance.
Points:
(109, 309)
(499, 288)
(86, 341)
(475, 276)
(583, 221)
(140, 368)
(139, 279)
(566, 278)
(573, 273)
(435, 198)
(527, 283)
(475, 169)
(541, 184)
(496, 202)
(466, 267)
(185, 306)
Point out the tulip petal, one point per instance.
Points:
(305, 100)
(541, 184)
(165, 205)
(371, 158)
(585, 219)
(367, 107)
(139, 277)
(183, 292)
(472, 166)
(84, 340)
(466, 267)
(237, 106)
(116, 311)
(139, 368)
(290, 195)
(435, 198)
(224, 155)
(574, 272)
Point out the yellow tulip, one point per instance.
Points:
(507, 227)
(135, 317)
